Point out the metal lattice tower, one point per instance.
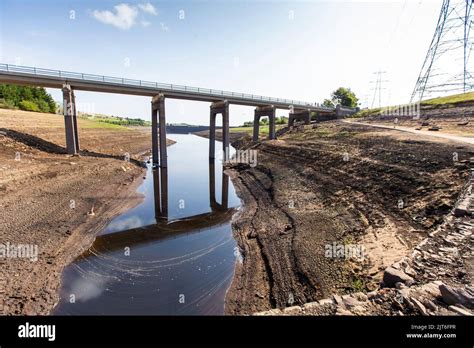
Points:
(447, 68)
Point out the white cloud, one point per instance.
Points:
(148, 8)
(145, 24)
(123, 17)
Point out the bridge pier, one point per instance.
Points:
(219, 108)
(304, 115)
(158, 124)
(70, 120)
(260, 112)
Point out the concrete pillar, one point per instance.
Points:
(74, 118)
(154, 135)
(256, 125)
(212, 136)
(68, 112)
(304, 115)
(158, 116)
(225, 132)
(268, 111)
(271, 124)
(219, 108)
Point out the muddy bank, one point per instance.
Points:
(56, 202)
(337, 185)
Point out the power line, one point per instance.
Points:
(378, 87)
(452, 42)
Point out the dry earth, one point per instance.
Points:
(381, 192)
(58, 202)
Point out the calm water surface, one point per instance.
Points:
(172, 254)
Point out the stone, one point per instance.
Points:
(430, 305)
(326, 301)
(342, 311)
(338, 299)
(453, 296)
(392, 276)
(460, 311)
(418, 305)
(293, 310)
(350, 302)
(311, 306)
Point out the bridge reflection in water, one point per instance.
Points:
(162, 257)
(163, 228)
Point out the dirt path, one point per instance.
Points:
(351, 187)
(436, 134)
(55, 202)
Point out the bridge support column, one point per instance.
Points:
(303, 115)
(219, 108)
(158, 125)
(70, 120)
(260, 112)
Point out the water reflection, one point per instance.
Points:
(161, 257)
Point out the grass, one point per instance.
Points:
(263, 129)
(450, 99)
(95, 124)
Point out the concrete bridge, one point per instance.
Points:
(159, 92)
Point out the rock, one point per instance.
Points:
(350, 302)
(310, 306)
(342, 311)
(326, 301)
(453, 296)
(392, 276)
(360, 296)
(418, 305)
(338, 300)
(430, 305)
(294, 310)
(460, 311)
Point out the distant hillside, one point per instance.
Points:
(116, 120)
(26, 98)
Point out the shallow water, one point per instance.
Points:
(172, 254)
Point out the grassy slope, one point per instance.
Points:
(451, 99)
(249, 130)
(448, 100)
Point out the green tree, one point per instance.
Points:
(328, 103)
(28, 105)
(16, 96)
(345, 97)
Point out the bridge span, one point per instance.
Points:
(220, 100)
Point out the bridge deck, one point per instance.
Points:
(87, 82)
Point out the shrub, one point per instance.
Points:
(28, 106)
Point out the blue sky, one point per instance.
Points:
(292, 49)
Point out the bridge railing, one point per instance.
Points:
(148, 84)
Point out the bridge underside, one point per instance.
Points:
(70, 82)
